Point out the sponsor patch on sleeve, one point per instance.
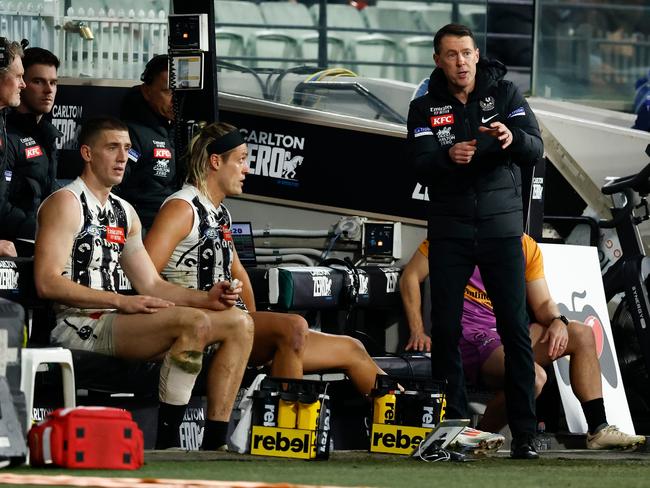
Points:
(422, 131)
(517, 112)
(134, 155)
(8, 175)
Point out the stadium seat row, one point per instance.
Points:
(372, 42)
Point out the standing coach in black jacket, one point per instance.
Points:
(31, 145)
(151, 173)
(467, 137)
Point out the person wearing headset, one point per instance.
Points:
(190, 244)
(152, 173)
(11, 82)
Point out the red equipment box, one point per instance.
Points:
(87, 437)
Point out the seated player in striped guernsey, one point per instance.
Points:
(190, 244)
(84, 232)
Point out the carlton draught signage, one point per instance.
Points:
(329, 166)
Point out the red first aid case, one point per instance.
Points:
(87, 437)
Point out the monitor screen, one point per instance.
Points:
(378, 239)
(242, 236)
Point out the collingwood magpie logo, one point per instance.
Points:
(161, 168)
(487, 104)
(275, 155)
(445, 137)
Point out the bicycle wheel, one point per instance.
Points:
(632, 365)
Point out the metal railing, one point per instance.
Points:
(121, 43)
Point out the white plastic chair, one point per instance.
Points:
(32, 358)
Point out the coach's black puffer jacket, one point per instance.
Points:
(483, 198)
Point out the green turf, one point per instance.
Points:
(394, 471)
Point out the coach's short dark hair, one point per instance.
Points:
(91, 128)
(38, 55)
(458, 30)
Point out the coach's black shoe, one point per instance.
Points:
(523, 447)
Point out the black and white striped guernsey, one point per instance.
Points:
(205, 255)
(99, 240)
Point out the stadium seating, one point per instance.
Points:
(283, 33)
(418, 50)
(297, 14)
(259, 41)
(273, 44)
(342, 16)
(127, 34)
(376, 48)
(399, 3)
(229, 43)
(472, 15)
(435, 15)
(406, 19)
(361, 46)
(289, 13)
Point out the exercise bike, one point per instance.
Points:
(630, 276)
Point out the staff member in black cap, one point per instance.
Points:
(151, 174)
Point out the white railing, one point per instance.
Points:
(30, 20)
(123, 41)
